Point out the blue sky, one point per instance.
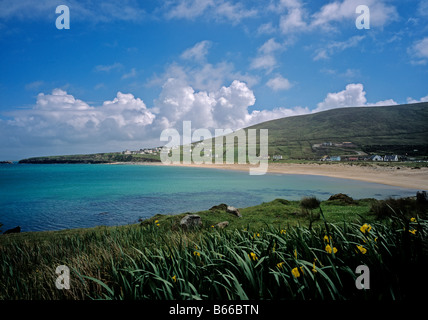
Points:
(127, 70)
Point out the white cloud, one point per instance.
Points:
(336, 46)
(423, 99)
(198, 52)
(293, 21)
(380, 13)
(266, 28)
(188, 9)
(267, 62)
(59, 121)
(266, 56)
(203, 76)
(35, 85)
(279, 83)
(130, 74)
(270, 46)
(419, 51)
(353, 96)
(93, 11)
(59, 118)
(214, 9)
(108, 68)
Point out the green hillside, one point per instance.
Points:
(390, 129)
(399, 129)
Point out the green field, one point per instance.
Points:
(272, 252)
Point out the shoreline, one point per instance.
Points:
(403, 177)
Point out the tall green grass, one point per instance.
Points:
(160, 262)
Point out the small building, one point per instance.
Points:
(353, 159)
(391, 158)
(277, 157)
(376, 158)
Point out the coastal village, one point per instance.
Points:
(350, 153)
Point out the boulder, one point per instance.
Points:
(233, 211)
(13, 230)
(222, 225)
(342, 198)
(422, 197)
(220, 207)
(191, 221)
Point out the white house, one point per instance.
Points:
(391, 158)
(376, 158)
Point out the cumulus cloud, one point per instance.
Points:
(61, 118)
(353, 96)
(59, 121)
(423, 99)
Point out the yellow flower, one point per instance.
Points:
(253, 256)
(283, 231)
(362, 249)
(329, 249)
(365, 228)
(279, 265)
(174, 278)
(295, 272)
(196, 253)
(158, 224)
(156, 221)
(314, 269)
(413, 231)
(413, 219)
(326, 239)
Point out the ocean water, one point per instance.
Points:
(63, 196)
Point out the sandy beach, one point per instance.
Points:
(403, 177)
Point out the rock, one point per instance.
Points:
(222, 225)
(220, 207)
(342, 198)
(191, 221)
(13, 230)
(234, 211)
(422, 197)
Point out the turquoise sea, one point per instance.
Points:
(63, 196)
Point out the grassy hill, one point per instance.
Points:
(389, 129)
(399, 129)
